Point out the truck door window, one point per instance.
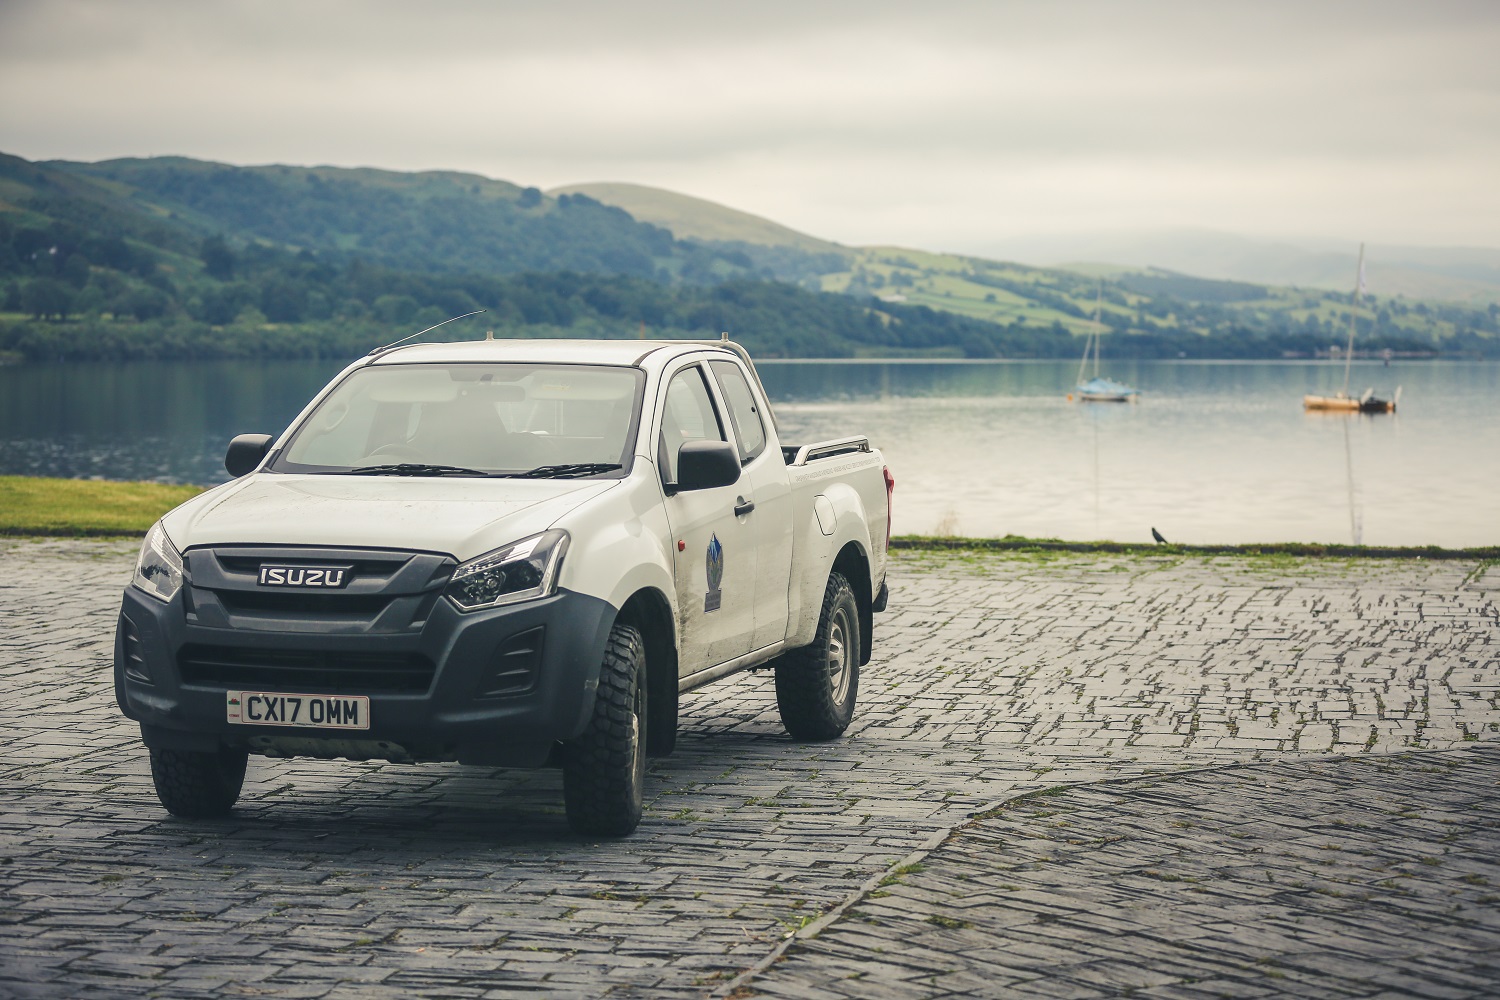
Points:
(743, 412)
(688, 416)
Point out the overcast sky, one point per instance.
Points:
(948, 126)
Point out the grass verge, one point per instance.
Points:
(1018, 544)
(31, 505)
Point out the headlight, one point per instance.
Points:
(158, 571)
(518, 572)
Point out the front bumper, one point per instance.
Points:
(472, 687)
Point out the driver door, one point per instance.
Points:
(713, 551)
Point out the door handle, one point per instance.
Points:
(743, 506)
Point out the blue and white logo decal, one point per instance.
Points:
(715, 566)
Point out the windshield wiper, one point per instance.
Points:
(540, 472)
(567, 471)
(416, 469)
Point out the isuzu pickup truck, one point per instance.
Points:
(504, 553)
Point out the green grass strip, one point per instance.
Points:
(1018, 544)
(31, 505)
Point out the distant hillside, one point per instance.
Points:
(1451, 274)
(430, 221)
(177, 257)
(690, 218)
(768, 246)
(1156, 306)
(997, 292)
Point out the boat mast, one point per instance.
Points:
(1359, 286)
(1098, 298)
(1091, 343)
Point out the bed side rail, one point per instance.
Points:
(825, 449)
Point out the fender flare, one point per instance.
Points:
(850, 528)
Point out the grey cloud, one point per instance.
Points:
(950, 116)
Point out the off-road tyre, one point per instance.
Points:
(604, 770)
(816, 686)
(198, 784)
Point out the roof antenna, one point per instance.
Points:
(387, 347)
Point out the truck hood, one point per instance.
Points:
(463, 518)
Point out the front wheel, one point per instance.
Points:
(816, 685)
(604, 770)
(198, 784)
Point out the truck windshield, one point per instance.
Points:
(472, 419)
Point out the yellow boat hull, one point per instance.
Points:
(1348, 404)
(1345, 403)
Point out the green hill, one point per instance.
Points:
(769, 247)
(177, 257)
(690, 218)
(1135, 300)
(430, 221)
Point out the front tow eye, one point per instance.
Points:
(743, 506)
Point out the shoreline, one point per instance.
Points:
(45, 507)
(1016, 543)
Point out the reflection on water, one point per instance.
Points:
(1214, 452)
(164, 421)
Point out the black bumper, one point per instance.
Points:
(472, 687)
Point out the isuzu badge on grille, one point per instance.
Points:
(330, 577)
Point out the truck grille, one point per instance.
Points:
(306, 671)
(384, 591)
(302, 603)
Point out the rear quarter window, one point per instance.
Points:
(743, 413)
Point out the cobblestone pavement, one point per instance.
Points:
(1355, 877)
(994, 676)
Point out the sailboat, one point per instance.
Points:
(1342, 401)
(1096, 389)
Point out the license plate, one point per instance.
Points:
(307, 711)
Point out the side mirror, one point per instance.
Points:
(706, 465)
(246, 452)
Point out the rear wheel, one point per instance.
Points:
(198, 784)
(816, 686)
(604, 770)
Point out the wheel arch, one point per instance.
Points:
(854, 564)
(650, 612)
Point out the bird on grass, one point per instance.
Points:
(1157, 535)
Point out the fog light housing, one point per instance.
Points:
(515, 665)
(134, 652)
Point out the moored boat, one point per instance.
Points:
(1097, 389)
(1104, 390)
(1336, 402)
(1341, 401)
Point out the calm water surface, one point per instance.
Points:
(1213, 452)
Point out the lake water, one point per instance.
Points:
(1213, 452)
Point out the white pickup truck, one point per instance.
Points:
(505, 553)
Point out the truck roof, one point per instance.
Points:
(596, 352)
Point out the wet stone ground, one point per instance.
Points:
(1274, 706)
(1371, 876)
